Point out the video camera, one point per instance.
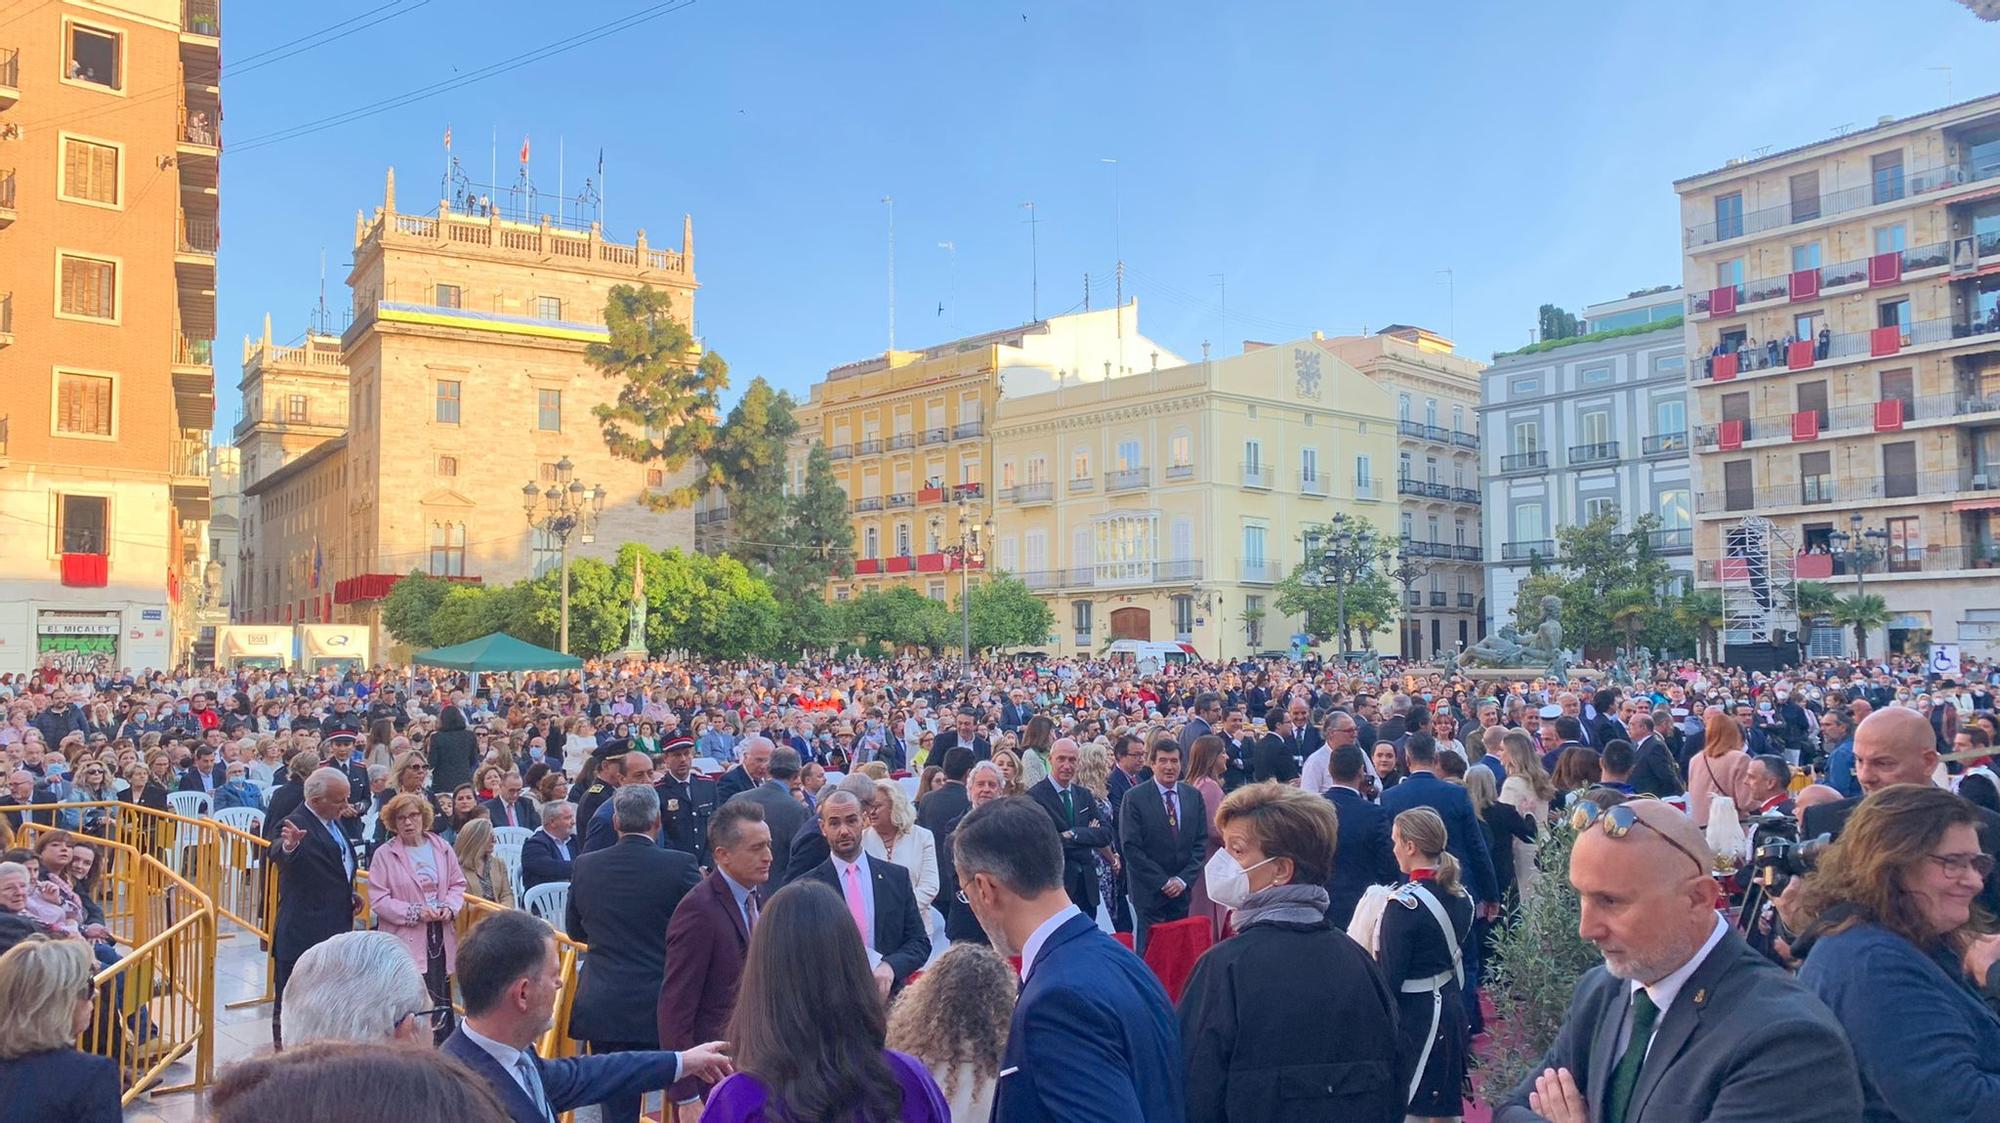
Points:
(1784, 856)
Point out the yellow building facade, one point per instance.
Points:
(909, 433)
(110, 117)
(1843, 341)
(1166, 504)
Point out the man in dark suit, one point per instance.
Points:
(782, 811)
(1082, 829)
(1105, 1046)
(964, 733)
(1653, 769)
(598, 831)
(709, 936)
(753, 767)
(204, 775)
(1684, 1020)
(1464, 836)
(1364, 856)
(809, 847)
(939, 812)
(1161, 834)
(509, 808)
(550, 853)
(508, 976)
(875, 891)
(686, 800)
(982, 786)
(620, 901)
(1015, 711)
(1604, 726)
(1283, 753)
(1207, 715)
(1128, 769)
(316, 863)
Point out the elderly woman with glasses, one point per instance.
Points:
(416, 889)
(46, 1001)
(1895, 952)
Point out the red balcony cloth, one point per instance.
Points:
(1722, 300)
(1885, 269)
(1805, 425)
(1734, 569)
(1729, 435)
(867, 565)
(1805, 284)
(930, 495)
(1889, 415)
(1173, 947)
(86, 571)
(1725, 367)
(930, 563)
(1885, 341)
(1813, 567)
(1799, 355)
(897, 564)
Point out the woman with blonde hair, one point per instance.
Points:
(895, 837)
(416, 888)
(1718, 770)
(46, 1000)
(1010, 768)
(954, 1019)
(1423, 933)
(485, 873)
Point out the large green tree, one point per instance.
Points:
(412, 602)
(1556, 323)
(747, 462)
(902, 617)
(1610, 581)
(818, 538)
(669, 389)
(1369, 593)
(1863, 612)
(1006, 614)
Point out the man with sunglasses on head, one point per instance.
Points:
(1684, 1020)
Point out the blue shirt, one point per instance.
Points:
(1840, 770)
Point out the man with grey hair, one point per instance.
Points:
(782, 811)
(316, 863)
(620, 901)
(809, 846)
(983, 785)
(598, 831)
(753, 768)
(360, 987)
(550, 853)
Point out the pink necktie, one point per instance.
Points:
(854, 904)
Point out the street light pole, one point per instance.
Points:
(565, 508)
(968, 551)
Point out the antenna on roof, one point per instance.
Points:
(1759, 152)
(1843, 129)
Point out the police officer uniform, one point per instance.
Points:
(685, 808)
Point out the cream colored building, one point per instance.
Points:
(294, 400)
(908, 432)
(1879, 251)
(1437, 481)
(466, 380)
(109, 149)
(1166, 504)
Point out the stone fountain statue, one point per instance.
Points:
(1506, 648)
(635, 629)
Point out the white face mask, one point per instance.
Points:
(1227, 882)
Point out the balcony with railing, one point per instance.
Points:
(868, 503)
(1414, 598)
(1439, 599)
(198, 236)
(1524, 461)
(1257, 476)
(1259, 571)
(10, 76)
(1464, 495)
(1418, 548)
(1877, 192)
(1663, 444)
(1127, 479)
(899, 500)
(900, 441)
(1179, 570)
(1464, 439)
(1312, 484)
(1466, 600)
(712, 517)
(1368, 487)
(1082, 639)
(967, 429)
(1038, 491)
(936, 436)
(1180, 471)
(202, 17)
(1527, 551)
(1824, 490)
(1673, 540)
(6, 319)
(973, 490)
(1811, 284)
(1598, 452)
(840, 452)
(870, 446)
(1861, 417)
(7, 212)
(1079, 485)
(1421, 431)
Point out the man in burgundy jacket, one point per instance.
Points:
(709, 934)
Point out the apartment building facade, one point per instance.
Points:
(909, 434)
(1167, 504)
(1575, 428)
(1843, 330)
(1437, 481)
(110, 118)
(294, 400)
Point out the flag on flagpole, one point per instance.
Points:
(447, 138)
(319, 562)
(524, 152)
(600, 162)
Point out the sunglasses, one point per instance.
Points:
(1618, 822)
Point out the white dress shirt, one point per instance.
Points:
(1040, 936)
(1667, 989)
(1314, 776)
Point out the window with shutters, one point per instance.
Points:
(84, 404)
(89, 172)
(89, 287)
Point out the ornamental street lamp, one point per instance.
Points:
(1858, 548)
(566, 508)
(1346, 557)
(968, 551)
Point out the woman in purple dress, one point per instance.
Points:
(810, 1023)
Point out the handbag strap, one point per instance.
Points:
(1431, 902)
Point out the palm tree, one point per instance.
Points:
(1702, 612)
(1813, 598)
(1862, 612)
(1629, 607)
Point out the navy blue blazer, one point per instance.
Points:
(1466, 840)
(1093, 1037)
(542, 860)
(60, 1086)
(1364, 856)
(570, 1083)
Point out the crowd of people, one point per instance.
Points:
(909, 889)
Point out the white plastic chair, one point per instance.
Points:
(549, 900)
(511, 836)
(189, 805)
(249, 820)
(509, 854)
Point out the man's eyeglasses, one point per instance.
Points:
(437, 1016)
(1618, 822)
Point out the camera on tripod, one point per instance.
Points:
(1777, 862)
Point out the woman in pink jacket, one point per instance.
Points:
(416, 889)
(1718, 770)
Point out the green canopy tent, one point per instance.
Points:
(497, 652)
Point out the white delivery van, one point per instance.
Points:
(266, 647)
(337, 647)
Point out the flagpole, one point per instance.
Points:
(444, 192)
(559, 178)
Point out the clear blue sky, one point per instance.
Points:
(1328, 157)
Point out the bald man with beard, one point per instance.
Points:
(1684, 1020)
(1896, 745)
